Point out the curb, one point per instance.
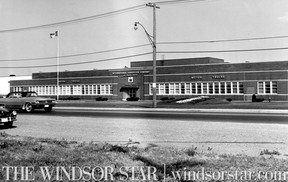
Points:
(254, 111)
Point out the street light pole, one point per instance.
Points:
(153, 43)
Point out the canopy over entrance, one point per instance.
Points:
(128, 87)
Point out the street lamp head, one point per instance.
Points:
(135, 26)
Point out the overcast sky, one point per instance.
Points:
(176, 22)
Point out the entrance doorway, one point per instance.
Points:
(129, 91)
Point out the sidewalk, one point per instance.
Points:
(251, 111)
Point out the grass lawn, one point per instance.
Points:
(210, 104)
(35, 152)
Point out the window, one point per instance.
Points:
(83, 89)
(216, 87)
(260, 87)
(94, 90)
(274, 87)
(157, 88)
(228, 87)
(71, 90)
(204, 88)
(234, 88)
(188, 88)
(102, 89)
(166, 88)
(171, 88)
(210, 85)
(193, 88)
(106, 89)
(241, 88)
(98, 90)
(177, 88)
(111, 90)
(267, 87)
(182, 88)
(161, 88)
(222, 86)
(199, 88)
(53, 90)
(86, 89)
(90, 89)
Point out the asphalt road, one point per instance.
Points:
(269, 118)
(223, 132)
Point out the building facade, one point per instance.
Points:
(177, 78)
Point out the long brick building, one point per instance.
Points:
(175, 78)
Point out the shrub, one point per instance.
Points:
(70, 98)
(267, 152)
(229, 99)
(260, 99)
(133, 99)
(101, 99)
(164, 98)
(191, 151)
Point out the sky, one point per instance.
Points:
(177, 21)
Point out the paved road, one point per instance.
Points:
(225, 133)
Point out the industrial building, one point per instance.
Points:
(177, 78)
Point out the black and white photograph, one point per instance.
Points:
(139, 90)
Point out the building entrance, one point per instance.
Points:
(129, 92)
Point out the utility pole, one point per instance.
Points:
(153, 5)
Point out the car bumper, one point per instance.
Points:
(42, 106)
(4, 120)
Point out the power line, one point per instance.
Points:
(224, 40)
(177, 2)
(143, 45)
(74, 55)
(117, 12)
(78, 63)
(125, 10)
(159, 52)
(209, 51)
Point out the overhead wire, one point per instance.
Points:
(143, 45)
(121, 11)
(74, 55)
(176, 2)
(77, 63)
(134, 8)
(217, 51)
(159, 52)
(224, 40)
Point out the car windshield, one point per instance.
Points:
(30, 94)
(14, 95)
(22, 94)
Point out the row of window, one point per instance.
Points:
(264, 87)
(198, 88)
(267, 87)
(104, 89)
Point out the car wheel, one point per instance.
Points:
(9, 124)
(48, 109)
(28, 107)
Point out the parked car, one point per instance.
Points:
(27, 101)
(7, 117)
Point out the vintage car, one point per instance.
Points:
(27, 101)
(7, 117)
